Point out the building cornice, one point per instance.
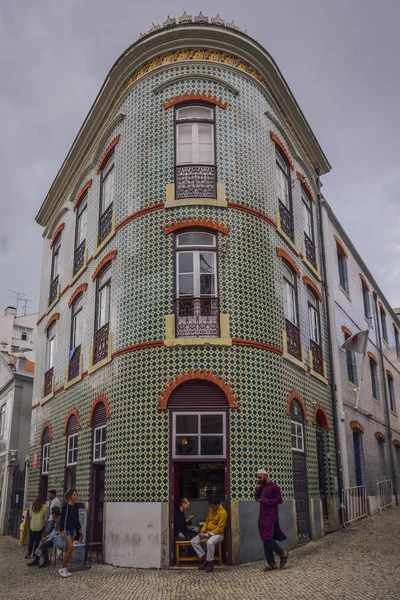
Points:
(158, 42)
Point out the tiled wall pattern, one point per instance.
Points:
(250, 285)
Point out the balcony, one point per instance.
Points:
(79, 257)
(195, 181)
(293, 340)
(316, 352)
(310, 251)
(197, 317)
(105, 224)
(74, 363)
(53, 290)
(100, 343)
(286, 221)
(48, 382)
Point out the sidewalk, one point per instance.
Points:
(360, 565)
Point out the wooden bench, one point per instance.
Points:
(93, 547)
(186, 544)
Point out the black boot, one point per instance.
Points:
(203, 564)
(210, 567)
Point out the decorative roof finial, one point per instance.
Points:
(185, 18)
(169, 21)
(217, 20)
(201, 18)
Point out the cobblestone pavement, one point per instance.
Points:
(362, 564)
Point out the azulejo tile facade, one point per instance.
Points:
(127, 318)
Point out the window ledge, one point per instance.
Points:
(295, 361)
(378, 402)
(314, 270)
(94, 367)
(52, 305)
(344, 292)
(171, 202)
(172, 341)
(386, 344)
(99, 247)
(369, 322)
(319, 377)
(393, 413)
(49, 396)
(81, 270)
(352, 385)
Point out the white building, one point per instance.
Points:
(18, 333)
(16, 384)
(369, 433)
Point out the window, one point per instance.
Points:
(282, 179)
(103, 298)
(313, 318)
(366, 300)
(107, 186)
(383, 323)
(2, 419)
(99, 443)
(289, 295)
(22, 333)
(45, 458)
(392, 397)
(72, 450)
(297, 436)
(195, 135)
(342, 265)
(351, 364)
(199, 435)
(374, 378)
(307, 214)
(80, 234)
(397, 342)
(196, 269)
(359, 459)
(77, 322)
(55, 265)
(51, 346)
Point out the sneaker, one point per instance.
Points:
(64, 572)
(27, 556)
(44, 564)
(33, 563)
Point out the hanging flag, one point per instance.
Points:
(357, 342)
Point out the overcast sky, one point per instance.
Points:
(339, 57)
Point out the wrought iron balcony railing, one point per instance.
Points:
(316, 352)
(53, 290)
(79, 256)
(100, 343)
(293, 340)
(74, 363)
(195, 181)
(105, 224)
(309, 247)
(48, 381)
(286, 220)
(197, 317)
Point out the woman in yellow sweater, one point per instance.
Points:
(37, 514)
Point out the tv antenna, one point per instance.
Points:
(21, 301)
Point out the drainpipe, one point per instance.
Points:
(386, 395)
(335, 408)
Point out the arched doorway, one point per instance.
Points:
(98, 460)
(299, 472)
(199, 451)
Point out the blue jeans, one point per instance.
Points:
(70, 532)
(45, 548)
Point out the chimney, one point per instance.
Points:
(10, 310)
(21, 364)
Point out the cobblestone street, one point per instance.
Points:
(362, 564)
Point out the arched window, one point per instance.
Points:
(102, 314)
(383, 324)
(45, 451)
(342, 266)
(197, 303)
(373, 366)
(351, 363)
(284, 193)
(49, 362)
(106, 197)
(392, 396)
(72, 452)
(315, 332)
(366, 299)
(55, 269)
(195, 152)
(309, 241)
(297, 429)
(76, 337)
(290, 294)
(80, 234)
(99, 424)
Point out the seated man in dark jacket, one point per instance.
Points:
(181, 530)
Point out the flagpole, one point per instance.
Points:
(363, 362)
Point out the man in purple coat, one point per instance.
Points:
(269, 496)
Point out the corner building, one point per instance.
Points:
(182, 336)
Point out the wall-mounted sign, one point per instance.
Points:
(35, 461)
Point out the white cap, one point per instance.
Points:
(262, 472)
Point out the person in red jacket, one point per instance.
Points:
(269, 496)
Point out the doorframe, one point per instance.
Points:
(173, 461)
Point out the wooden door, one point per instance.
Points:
(301, 497)
(321, 472)
(97, 503)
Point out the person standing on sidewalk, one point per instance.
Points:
(37, 515)
(269, 496)
(70, 528)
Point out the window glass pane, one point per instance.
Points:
(185, 144)
(81, 230)
(104, 306)
(313, 322)
(194, 112)
(196, 238)
(294, 442)
(186, 423)
(293, 430)
(187, 445)
(105, 276)
(212, 445)
(185, 262)
(77, 329)
(282, 185)
(307, 222)
(288, 273)
(207, 274)
(300, 443)
(289, 302)
(108, 190)
(186, 285)
(211, 423)
(97, 435)
(205, 143)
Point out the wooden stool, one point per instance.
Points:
(186, 544)
(94, 547)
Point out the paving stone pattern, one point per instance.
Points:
(362, 564)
